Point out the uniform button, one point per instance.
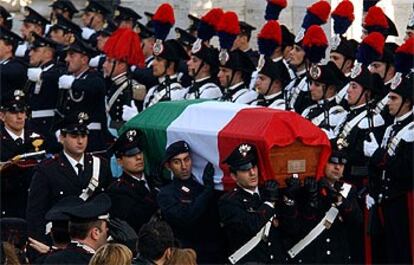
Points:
(68, 98)
(117, 107)
(328, 240)
(67, 108)
(61, 192)
(269, 244)
(386, 187)
(272, 257)
(388, 179)
(328, 252)
(118, 100)
(300, 261)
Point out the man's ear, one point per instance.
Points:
(2, 116)
(94, 233)
(233, 176)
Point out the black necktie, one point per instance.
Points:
(19, 141)
(256, 197)
(80, 170)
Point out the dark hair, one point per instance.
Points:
(80, 229)
(154, 239)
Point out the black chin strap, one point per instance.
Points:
(401, 105)
(360, 96)
(112, 69)
(269, 87)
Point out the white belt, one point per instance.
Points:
(94, 126)
(43, 113)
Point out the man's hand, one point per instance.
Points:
(128, 112)
(292, 187)
(38, 246)
(271, 191)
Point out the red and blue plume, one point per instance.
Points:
(369, 3)
(376, 18)
(227, 29)
(269, 38)
(125, 45)
(404, 57)
(163, 20)
(343, 16)
(273, 9)
(208, 24)
(371, 48)
(317, 14)
(315, 43)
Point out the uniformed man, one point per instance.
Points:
(88, 229)
(344, 56)
(120, 100)
(145, 75)
(247, 212)
(385, 68)
(133, 195)
(93, 20)
(63, 7)
(83, 90)
(6, 19)
(16, 139)
(392, 185)
(332, 245)
(165, 66)
(101, 37)
(242, 41)
(203, 67)
(71, 172)
(270, 83)
(64, 31)
(234, 70)
(43, 91)
(32, 22)
(12, 71)
(189, 207)
(125, 17)
(325, 81)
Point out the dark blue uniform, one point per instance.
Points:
(242, 215)
(43, 97)
(132, 200)
(15, 179)
(12, 76)
(55, 179)
(87, 94)
(73, 254)
(190, 210)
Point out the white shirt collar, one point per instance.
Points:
(277, 59)
(73, 162)
(273, 95)
(300, 73)
(85, 247)
(162, 79)
(235, 85)
(256, 190)
(15, 136)
(403, 117)
(202, 79)
(358, 107)
(80, 74)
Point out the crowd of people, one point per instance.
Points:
(75, 185)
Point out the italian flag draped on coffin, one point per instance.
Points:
(213, 129)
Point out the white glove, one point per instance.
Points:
(34, 74)
(21, 50)
(128, 112)
(65, 81)
(330, 133)
(94, 62)
(370, 146)
(133, 68)
(369, 201)
(87, 33)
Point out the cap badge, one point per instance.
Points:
(356, 70)
(335, 41)
(396, 81)
(261, 62)
(83, 116)
(130, 135)
(244, 149)
(196, 46)
(117, 13)
(224, 57)
(315, 72)
(158, 47)
(18, 94)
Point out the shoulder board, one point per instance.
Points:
(377, 121)
(408, 136)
